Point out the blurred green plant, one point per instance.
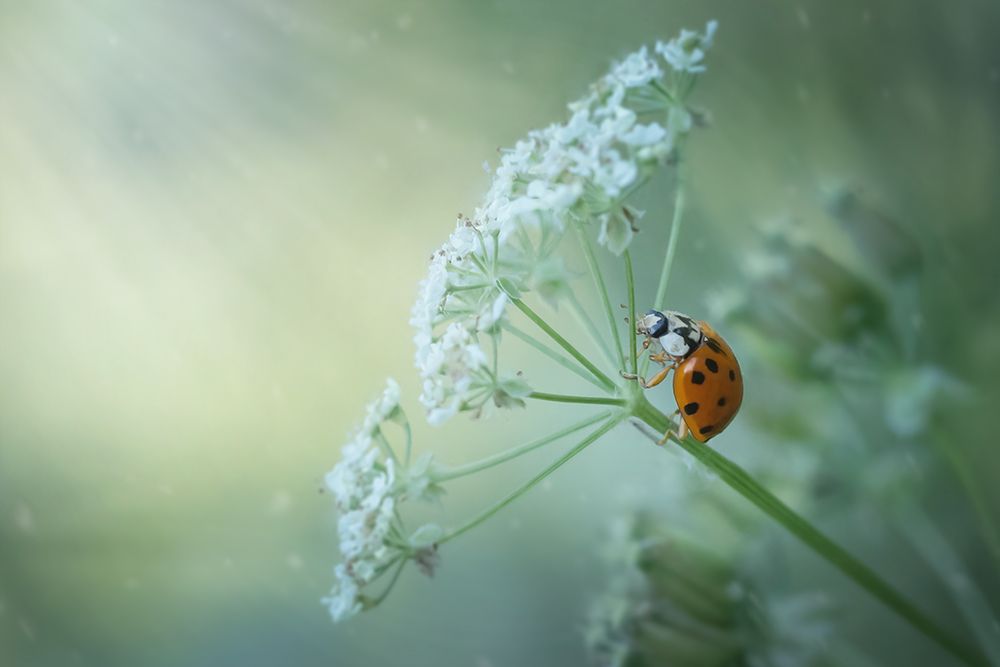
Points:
(567, 180)
(670, 600)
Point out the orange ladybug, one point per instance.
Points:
(708, 384)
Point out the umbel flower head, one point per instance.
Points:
(579, 171)
(369, 485)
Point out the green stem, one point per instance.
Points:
(967, 481)
(554, 335)
(552, 354)
(514, 452)
(630, 281)
(524, 488)
(668, 258)
(392, 583)
(580, 313)
(675, 230)
(741, 481)
(586, 400)
(409, 438)
(602, 290)
(939, 554)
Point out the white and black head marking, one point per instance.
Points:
(678, 334)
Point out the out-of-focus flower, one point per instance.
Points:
(670, 601)
(913, 395)
(811, 314)
(886, 243)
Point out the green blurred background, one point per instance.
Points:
(213, 217)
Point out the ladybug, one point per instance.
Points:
(708, 384)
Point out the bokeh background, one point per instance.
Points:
(213, 217)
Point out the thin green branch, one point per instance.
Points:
(514, 452)
(392, 584)
(554, 355)
(941, 557)
(554, 335)
(741, 481)
(580, 313)
(675, 229)
(980, 507)
(524, 488)
(630, 281)
(602, 290)
(668, 258)
(586, 400)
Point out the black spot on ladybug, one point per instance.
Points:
(706, 429)
(712, 365)
(690, 408)
(697, 377)
(682, 331)
(715, 347)
(722, 401)
(732, 375)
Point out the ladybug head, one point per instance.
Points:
(653, 324)
(678, 334)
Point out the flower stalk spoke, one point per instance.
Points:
(630, 282)
(583, 319)
(584, 400)
(595, 272)
(571, 365)
(527, 486)
(514, 452)
(554, 335)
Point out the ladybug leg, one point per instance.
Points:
(683, 430)
(661, 358)
(658, 378)
(682, 433)
(653, 381)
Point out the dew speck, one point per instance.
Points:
(24, 518)
(27, 629)
(281, 502)
(803, 17)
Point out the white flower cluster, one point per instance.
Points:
(367, 486)
(577, 172)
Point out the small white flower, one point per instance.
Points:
(686, 52)
(615, 233)
(491, 316)
(637, 69)
(383, 408)
(451, 371)
(343, 601)
(645, 135)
